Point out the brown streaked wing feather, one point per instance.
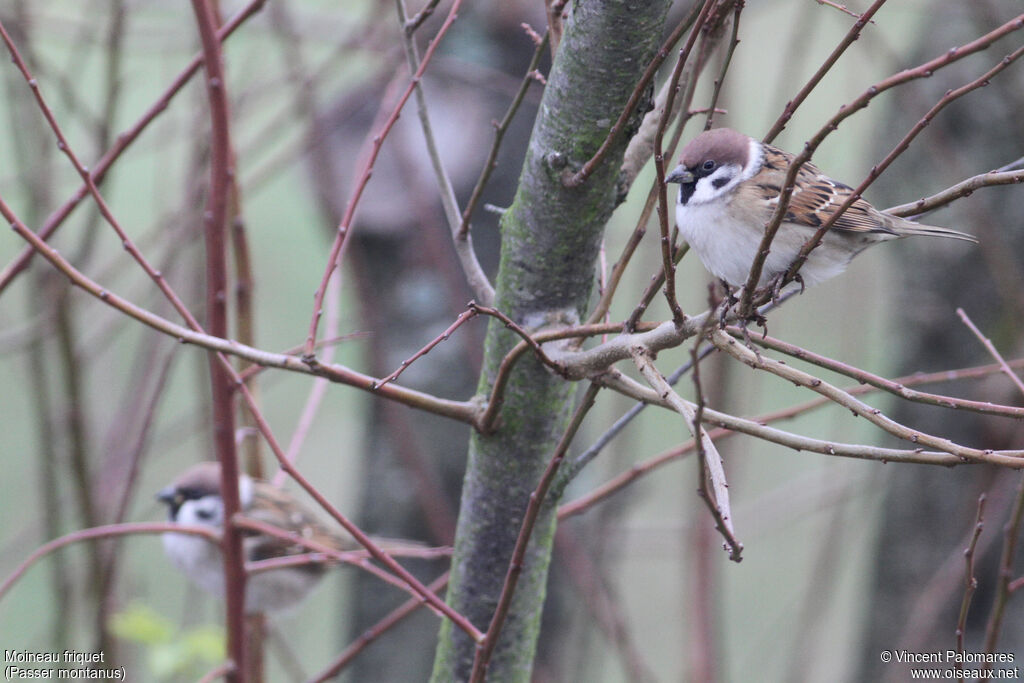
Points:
(273, 507)
(816, 196)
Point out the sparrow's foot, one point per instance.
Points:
(726, 304)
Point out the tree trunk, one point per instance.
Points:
(550, 240)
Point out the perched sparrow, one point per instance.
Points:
(729, 185)
(194, 498)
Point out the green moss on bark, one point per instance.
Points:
(550, 240)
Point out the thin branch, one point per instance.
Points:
(364, 177)
(726, 61)
(463, 411)
(873, 415)
(634, 99)
(970, 583)
(415, 22)
(122, 141)
(1011, 532)
(107, 531)
(358, 559)
(485, 647)
(360, 537)
(891, 386)
(500, 129)
(848, 40)
(962, 189)
(376, 631)
(475, 275)
(444, 336)
(718, 500)
(991, 348)
(641, 469)
(667, 262)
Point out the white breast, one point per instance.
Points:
(726, 244)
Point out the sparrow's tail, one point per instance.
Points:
(908, 228)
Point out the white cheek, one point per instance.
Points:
(206, 511)
(706, 191)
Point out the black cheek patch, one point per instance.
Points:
(686, 191)
(719, 183)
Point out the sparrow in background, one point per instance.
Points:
(729, 185)
(194, 498)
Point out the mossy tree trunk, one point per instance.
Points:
(550, 240)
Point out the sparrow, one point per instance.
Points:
(729, 186)
(194, 498)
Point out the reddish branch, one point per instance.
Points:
(124, 139)
(107, 531)
(462, 318)
(215, 237)
(364, 177)
(376, 631)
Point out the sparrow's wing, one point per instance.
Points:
(815, 197)
(273, 506)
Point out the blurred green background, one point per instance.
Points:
(308, 75)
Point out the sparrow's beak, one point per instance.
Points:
(679, 175)
(172, 498)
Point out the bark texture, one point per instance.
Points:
(550, 240)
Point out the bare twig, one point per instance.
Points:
(894, 387)
(471, 268)
(463, 317)
(718, 500)
(122, 142)
(851, 35)
(634, 99)
(500, 129)
(726, 61)
(667, 262)
(376, 631)
(1011, 532)
(364, 176)
(970, 583)
(990, 347)
(873, 415)
(962, 189)
(107, 531)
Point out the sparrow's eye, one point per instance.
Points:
(709, 165)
